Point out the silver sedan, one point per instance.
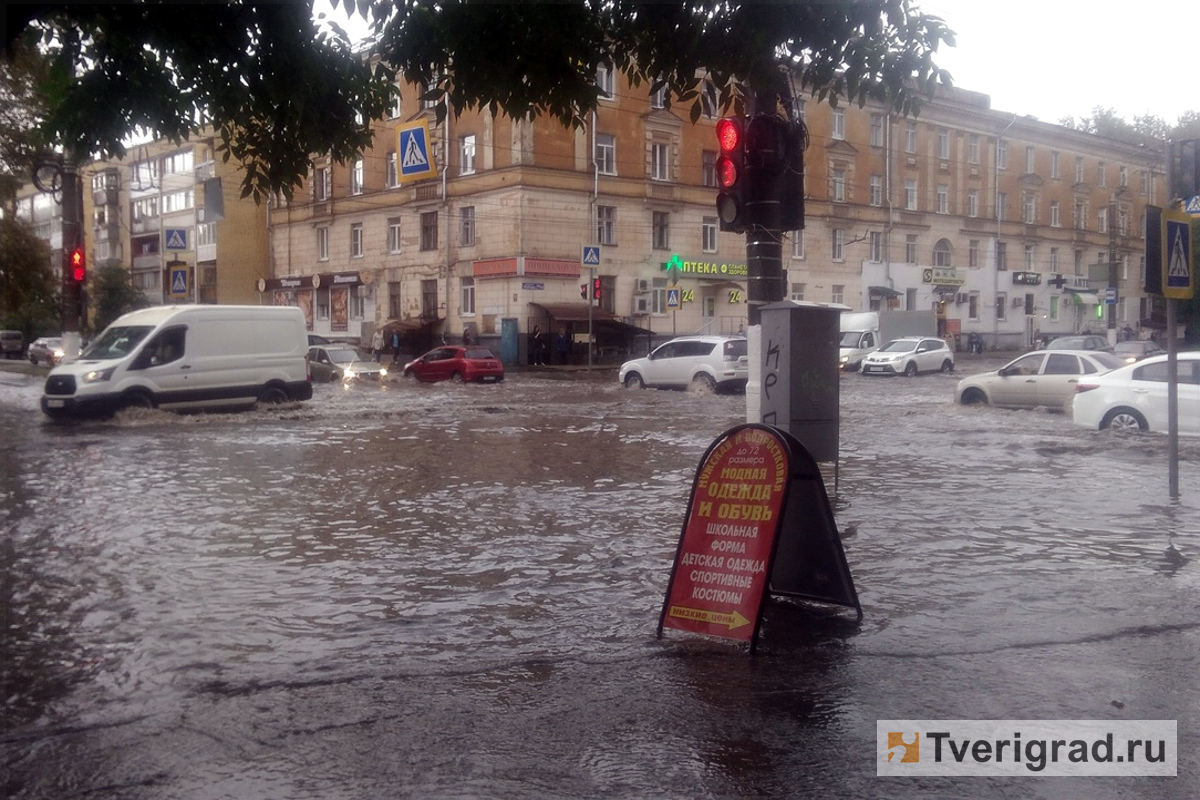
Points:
(1041, 378)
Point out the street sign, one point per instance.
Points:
(176, 239)
(412, 148)
(674, 299)
(179, 283)
(1193, 205)
(590, 257)
(1177, 251)
(1110, 296)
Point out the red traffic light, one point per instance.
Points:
(78, 265)
(595, 288)
(583, 291)
(727, 172)
(729, 134)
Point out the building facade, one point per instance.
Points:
(1006, 226)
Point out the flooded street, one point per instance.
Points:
(415, 590)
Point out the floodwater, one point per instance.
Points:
(453, 591)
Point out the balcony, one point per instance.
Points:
(152, 261)
(146, 225)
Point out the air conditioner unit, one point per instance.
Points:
(961, 298)
(643, 285)
(641, 305)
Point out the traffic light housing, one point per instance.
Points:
(77, 264)
(595, 289)
(732, 180)
(583, 291)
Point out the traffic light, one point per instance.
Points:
(583, 291)
(78, 265)
(732, 179)
(596, 289)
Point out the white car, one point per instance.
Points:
(712, 363)
(1134, 397)
(1042, 378)
(908, 356)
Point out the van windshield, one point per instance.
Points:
(116, 342)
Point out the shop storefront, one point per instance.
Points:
(335, 304)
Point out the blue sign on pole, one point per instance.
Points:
(175, 239)
(412, 148)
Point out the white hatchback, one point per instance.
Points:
(908, 356)
(1134, 397)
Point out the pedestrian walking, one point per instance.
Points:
(536, 357)
(377, 344)
(396, 347)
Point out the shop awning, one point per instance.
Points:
(883, 291)
(578, 313)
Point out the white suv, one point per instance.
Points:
(908, 356)
(706, 362)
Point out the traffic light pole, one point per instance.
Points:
(764, 268)
(72, 238)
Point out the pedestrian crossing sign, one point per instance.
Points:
(591, 255)
(1178, 268)
(413, 152)
(674, 300)
(179, 283)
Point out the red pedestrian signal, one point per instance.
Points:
(583, 291)
(78, 265)
(595, 288)
(731, 174)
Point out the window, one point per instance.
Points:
(178, 201)
(910, 248)
(429, 230)
(145, 175)
(1054, 259)
(392, 177)
(708, 168)
(876, 182)
(1001, 206)
(1123, 222)
(943, 143)
(1001, 306)
(798, 292)
(1001, 255)
(1101, 174)
(658, 97)
(1028, 257)
(1054, 164)
(466, 231)
(1144, 181)
(1028, 208)
(1055, 219)
(973, 253)
(877, 130)
(943, 199)
(321, 186)
(839, 123)
(606, 154)
(1079, 169)
(1102, 221)
(466, 154)
(1080, 216)
(356, 177)
(1002, 154)
(660, 225)
(604, 81)
(393, 235)
(973, 305)
(178, 163)
(606, 224)
(468, 297)
(910, 194)
(838, 293)
(356, 240)
(910, 137)
(797, 244)
(876, 238)
(839, 186)
(145, 208)
(322, 244)
(1029, 160)
(708, 234)
(973, 148)
(708, 101)
(1078, 262)
(206, 234)
(972, 202)
(941, 253)
(839, 238)
(660, 164)
(394, 299)
(394, 112)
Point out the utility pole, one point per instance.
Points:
(59, 176)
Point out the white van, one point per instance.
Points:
(186, 358)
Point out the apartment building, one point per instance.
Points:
(1006, 226)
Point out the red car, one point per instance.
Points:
(458, 364)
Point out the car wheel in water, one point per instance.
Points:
(634, 381)
(973, 397)
(272, 396)
(1124, 419)
(457, 377)
(911, 369)
(136, 400)
(947, 366)
(704, 384)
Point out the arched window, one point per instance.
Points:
(941, 253)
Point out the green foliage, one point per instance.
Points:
(282, 89)
(112, 294)
(28, 300)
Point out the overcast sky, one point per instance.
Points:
(1062, 58)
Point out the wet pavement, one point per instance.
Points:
(417, 590)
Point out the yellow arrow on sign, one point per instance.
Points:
(734, 620)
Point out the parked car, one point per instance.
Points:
(1042, 378)
(12, 343)
(47, 350)
(1134, 397)
(1088, 341)
(909, 355)
(337, 362)
(711, 363)
(1136, 349)
(316, 338)
(456, 363)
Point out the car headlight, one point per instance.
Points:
(98, 375)
(383, 372)
(348, 374)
